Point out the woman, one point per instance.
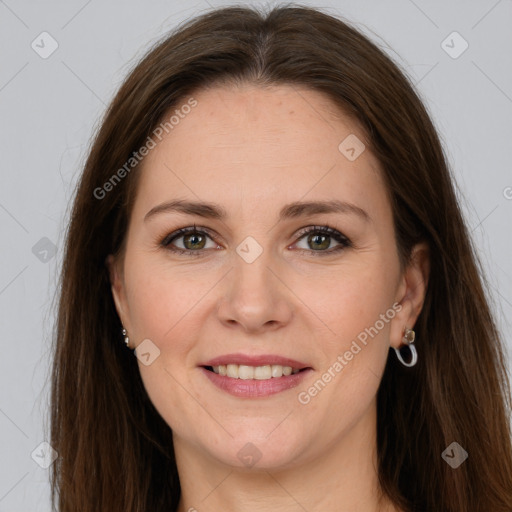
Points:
(266, 220)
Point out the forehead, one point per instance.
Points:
(255, 144)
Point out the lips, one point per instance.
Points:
(259, 360)
(285, 373)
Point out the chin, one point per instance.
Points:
(255, 451)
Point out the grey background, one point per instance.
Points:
(50, 107)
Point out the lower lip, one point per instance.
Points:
(252, 388)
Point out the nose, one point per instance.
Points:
(256, 297)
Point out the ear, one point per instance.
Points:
(116, 275)
(411, 293)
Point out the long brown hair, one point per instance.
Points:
(115, 450)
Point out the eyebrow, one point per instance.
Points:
(293, 210)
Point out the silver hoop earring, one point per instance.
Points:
(126, 338)
(408, 339)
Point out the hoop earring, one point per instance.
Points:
(126, 338)
(408, 339)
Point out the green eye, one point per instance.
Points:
(319, 239)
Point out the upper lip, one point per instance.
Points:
(259, 360)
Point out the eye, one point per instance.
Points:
(320, 239)
(193, 240)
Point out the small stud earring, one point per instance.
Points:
(126, 338)
(408, 339)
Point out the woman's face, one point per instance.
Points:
(260, 284)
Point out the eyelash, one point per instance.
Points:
(323, 230)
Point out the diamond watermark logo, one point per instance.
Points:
(147, 352)
(351, 147)
(44, 45)
(454, 455)
(249, 249)
(249, 455)
(454, 45)
(44, 455)
(44, 250)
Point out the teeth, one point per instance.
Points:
(263, 372)
(277, 370)
(244, 372)
(232, 371)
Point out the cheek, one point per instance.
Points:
(163, 308)
(160, 297)
(356, 309)
(346, 300)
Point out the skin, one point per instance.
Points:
(253, 150)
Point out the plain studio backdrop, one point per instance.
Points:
(61, 63)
